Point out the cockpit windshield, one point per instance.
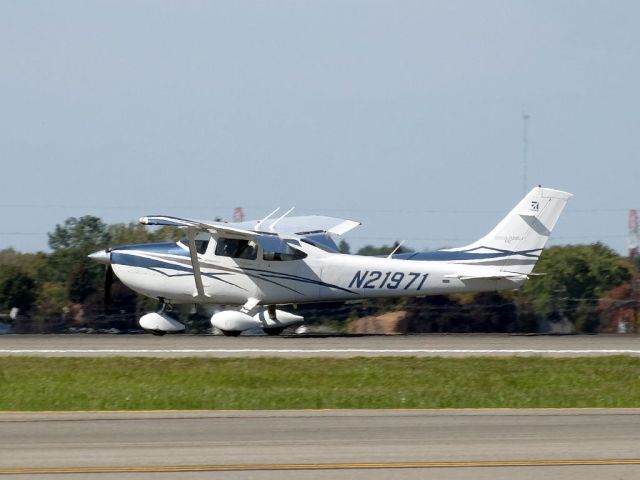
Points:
(201, 245)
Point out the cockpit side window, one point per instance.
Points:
(283, 257)
(201, 245)
(236, 248)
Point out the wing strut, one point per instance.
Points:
(260, 222)
(191, 234)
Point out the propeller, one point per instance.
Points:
(104, 256)
(108, 282)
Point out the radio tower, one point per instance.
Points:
(238, 215)
(633, 233)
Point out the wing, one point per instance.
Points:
(301, 225)
(205, 225)
(267, 240)
(288, 232)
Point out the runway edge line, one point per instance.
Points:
(317, 466)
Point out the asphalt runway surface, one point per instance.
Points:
(319, 346)
(329, 444)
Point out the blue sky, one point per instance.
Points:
(405, 115)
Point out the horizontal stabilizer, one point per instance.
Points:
(489, 276)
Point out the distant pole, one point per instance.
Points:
(525, 151)
(633, 233)
(633, 252)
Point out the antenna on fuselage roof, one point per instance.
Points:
(395, 249)
(260, 222)
(272, 227)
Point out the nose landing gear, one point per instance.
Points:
(159, 323)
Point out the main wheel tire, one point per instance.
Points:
(231, 333)
(157, 333)
(273, 331)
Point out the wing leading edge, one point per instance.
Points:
(288, 231)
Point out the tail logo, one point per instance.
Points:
(508, 239)
(535, 206)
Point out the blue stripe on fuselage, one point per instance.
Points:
(444, 256)
(133, 260)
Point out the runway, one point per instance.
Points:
(331, 444)
(328, 346)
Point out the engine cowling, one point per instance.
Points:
(159, 322)
(233, 321)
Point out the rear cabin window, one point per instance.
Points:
(236, 248)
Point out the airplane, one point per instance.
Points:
(262, 265)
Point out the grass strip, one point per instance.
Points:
(35, 383)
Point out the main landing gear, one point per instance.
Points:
(231, 333)
(273, 331)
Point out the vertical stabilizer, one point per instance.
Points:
(517, 241)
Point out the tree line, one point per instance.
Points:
(589, 288)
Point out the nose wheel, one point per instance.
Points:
(164, 307)
(159, 323)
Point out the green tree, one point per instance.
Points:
(84, 279)
(17, 289)
(85, 234)
(51, 304)
(574, 278)
(57, 265)
(344, 247)
(127, 233)
(30, 263)
(68, 263)
(370, 250)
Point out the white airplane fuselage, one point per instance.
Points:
(164, 271)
